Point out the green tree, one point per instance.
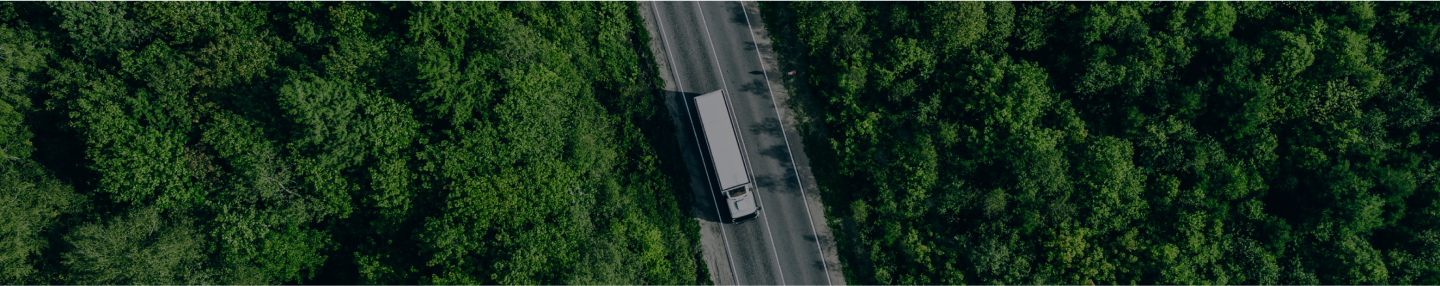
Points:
(99, 29)
(142, 247)
(1195, 143)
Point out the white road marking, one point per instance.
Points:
(790, 152)
(764, 218)
(664, 42)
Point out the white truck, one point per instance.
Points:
(727, 159)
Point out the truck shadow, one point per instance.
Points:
(691, 150)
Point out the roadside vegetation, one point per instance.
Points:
(336, 143)
(1125, 143)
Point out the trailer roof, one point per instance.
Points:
(720, 135)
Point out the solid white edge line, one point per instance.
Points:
(680, 88)
(758, 200)
(790, 151)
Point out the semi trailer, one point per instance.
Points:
(729, 169)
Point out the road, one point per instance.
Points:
(705, 46)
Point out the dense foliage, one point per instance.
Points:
(1130, 142)
(336, 142)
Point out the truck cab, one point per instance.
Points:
(741, 201)
(730, 170)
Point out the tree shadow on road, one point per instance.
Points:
(768, 128)
(756, 88)
(737, 13)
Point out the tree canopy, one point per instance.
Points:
(336, 143)
(1129, 142)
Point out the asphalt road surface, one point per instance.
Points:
(709, 46)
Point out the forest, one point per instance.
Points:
(1124, 142)
(336, 143)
